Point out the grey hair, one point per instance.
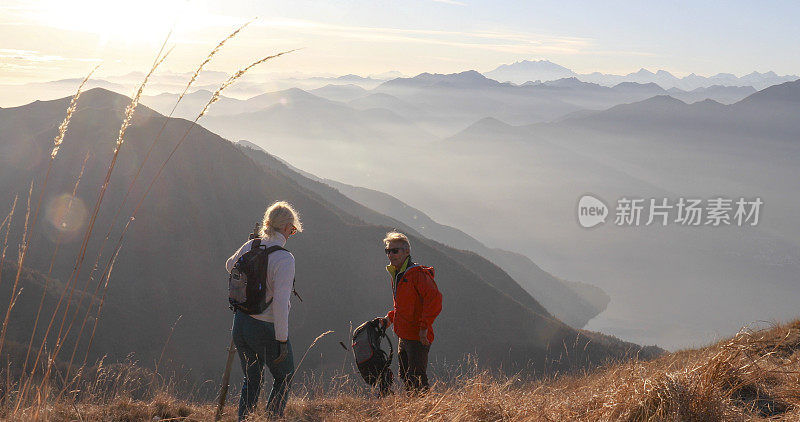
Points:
(396, 236)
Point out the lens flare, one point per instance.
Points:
(66, 217)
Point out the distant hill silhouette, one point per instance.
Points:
(193, 103)
(787, 93)
(340, 92)
(388, 102)
(202, 209)
(452, 102)
(303, 117)
(768, 113)
(719, 93)
(526, 70)
(544, 70)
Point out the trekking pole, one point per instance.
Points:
(223, 390)
(226, 376)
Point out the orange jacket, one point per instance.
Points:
(417, 302)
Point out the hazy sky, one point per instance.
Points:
(51, 39)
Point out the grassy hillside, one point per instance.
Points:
(752, 376)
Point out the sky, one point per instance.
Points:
(54, 39)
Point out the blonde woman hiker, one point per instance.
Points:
(262, 338)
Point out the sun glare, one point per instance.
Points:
(145, 21)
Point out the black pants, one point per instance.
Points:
(413, 357)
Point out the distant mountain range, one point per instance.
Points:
(544, 70)
(340, 92)
(297, 116)
(530, 71)
(414, 109)
(193, 103)
(418, 108)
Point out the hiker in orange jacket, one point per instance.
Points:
(417, 302)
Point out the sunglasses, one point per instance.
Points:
(393, 250)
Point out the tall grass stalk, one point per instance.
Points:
(233, 79)
(207, 60)
(100, 306)
(9, 218)
(21, 397)
(23, 248)
(126, 122)
(43, 389)
(213, 99)
(5, 220)
(308, 350)
(57, 141)
(164, 125)
(164, 349)
(87, 233)
(62, 129)
(130, 189)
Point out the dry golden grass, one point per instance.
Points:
(22, 249)
(751, 377)
(73, 105)
(7, 223)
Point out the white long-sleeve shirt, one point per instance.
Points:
(280, 280)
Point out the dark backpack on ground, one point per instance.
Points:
(372, 361)
(247, 285)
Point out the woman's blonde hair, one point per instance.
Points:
(395, 236)
(277, 216)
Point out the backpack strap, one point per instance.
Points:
(270, 250)
(391, 348)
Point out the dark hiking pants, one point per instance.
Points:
(255, 341)
(413, 357)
